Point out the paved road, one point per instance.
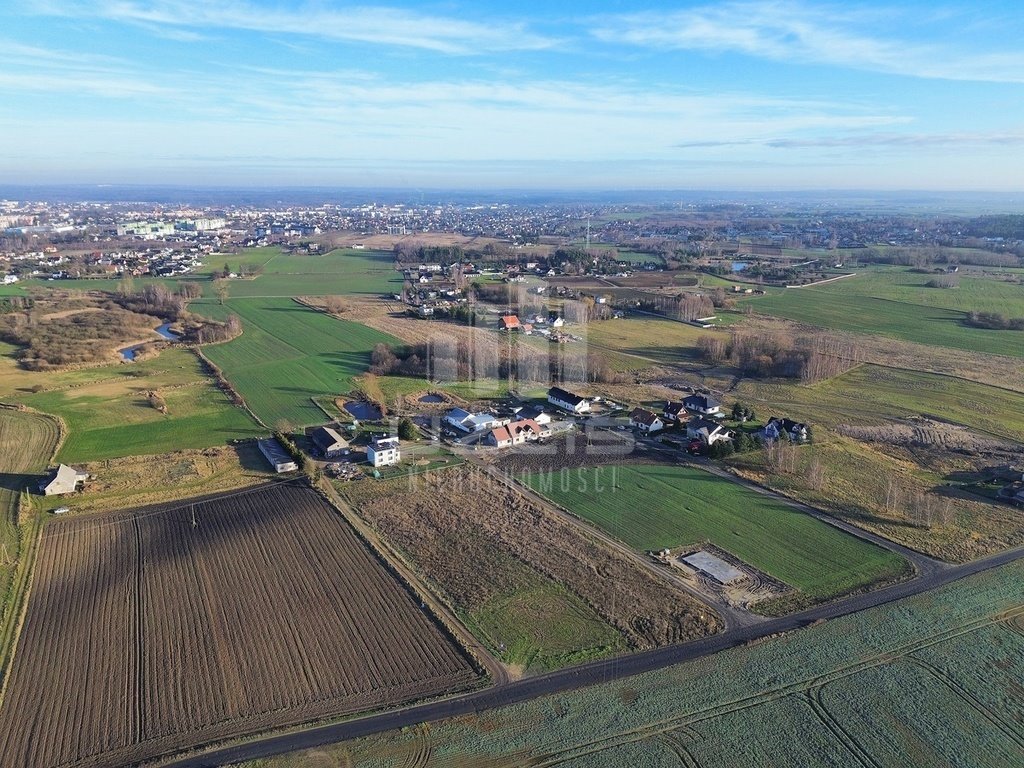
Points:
(583, 675)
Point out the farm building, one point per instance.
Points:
(567, 401)
(278, 457)
(509, 322)
(383, 452)
(64, 479)
(776, 428)
(329, 442)
(673, 410)
(515, 433)
(705, 405)
(645, 420)
(707, 431)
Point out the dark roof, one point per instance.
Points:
(673, 407)
(701, 402)
(566, 397)
(530, 411)
(643, 416)
(702, 423)
(787, 425)
(325, 438)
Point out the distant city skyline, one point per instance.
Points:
(759, 95)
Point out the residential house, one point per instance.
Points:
(673, 411)
(329, 442)
(707, 431)
(777, 427)
(472, 422)
(425, 311)
(645, 420)
(567, 401)
(535, 413)
(705, 405)
(509, 322)
(383, 452)
(64, 480)
(10, 279)
(514, 433)
(278, 457)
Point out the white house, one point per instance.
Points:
(10, 279)
(567, 401)
(707, 431)
(705, 405)
(776, 428)
(535, 413)
(383, 452)
(645, 420)
(472, 422)
(514, 433)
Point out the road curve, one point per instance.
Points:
(581, 676)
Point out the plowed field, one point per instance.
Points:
(146, 634)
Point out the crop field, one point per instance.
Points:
(288, 353)
(537, 601)
(653, 507)
(338, 272)
(827, 307)
(27, 440)
(147, 633)
(930, 680)
(112, 416)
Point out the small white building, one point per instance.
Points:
(645, 420)
(383, 452)
(10, 279)
(64, 480)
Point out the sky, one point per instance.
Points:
(746, 95)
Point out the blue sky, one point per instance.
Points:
(758, 95)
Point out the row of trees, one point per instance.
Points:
(995, 321)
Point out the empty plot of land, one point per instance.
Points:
(522, 576)
(654, 507)
(175, 626)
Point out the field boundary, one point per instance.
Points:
(444, 616)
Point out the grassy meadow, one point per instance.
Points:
(658, 506)
(109, 414)
(288, 353)
(896, 303)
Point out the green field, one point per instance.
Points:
(656, 507)
(931, 680)
(541, 625)
(288, 353)
(894, 303)
(110, 416)
(339, 272)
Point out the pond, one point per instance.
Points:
(363, 411)
(432, 399)
(128, 353)
(739, 266)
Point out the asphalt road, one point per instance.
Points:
(583, 675)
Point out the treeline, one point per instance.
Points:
(995, 321)
(924, 256)
(808, 358)
(157, 299)
(449, 359)
(1007, 226)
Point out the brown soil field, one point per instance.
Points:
(146, 634)
(461, 525)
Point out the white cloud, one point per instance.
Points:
(812, 33)
(378, 25)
